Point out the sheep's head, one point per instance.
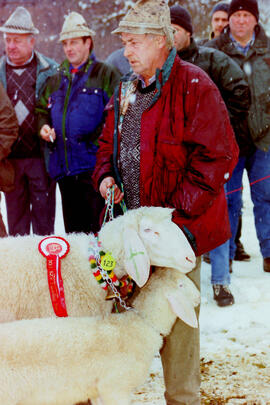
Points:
(149, 237)
(183, 299)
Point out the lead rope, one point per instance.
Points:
(96, 252)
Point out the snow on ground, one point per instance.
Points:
(235, 341)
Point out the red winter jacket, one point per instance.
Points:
(188, 152)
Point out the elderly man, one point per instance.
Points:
(245, 41)
(71, 113)
(161, 147)
(23, 73)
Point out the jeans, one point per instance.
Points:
(220, 271)
(219, 257)
(257, 166)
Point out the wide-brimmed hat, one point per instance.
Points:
(20, 22)
(75, 26)
(148, 17)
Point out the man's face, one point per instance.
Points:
(19, 47)
(181, 37)
(218, 22)
(142, 52)
(242, 24)
(77, 50)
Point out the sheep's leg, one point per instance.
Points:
(115, 398)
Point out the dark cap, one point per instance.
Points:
(222, 6)
(247, 5)
(180, 16)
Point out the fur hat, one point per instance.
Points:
(75, 26)
(148, 17)
(180, 16)
(20, 22)
(222, 6)
(247, 5)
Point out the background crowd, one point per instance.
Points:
(174, 134)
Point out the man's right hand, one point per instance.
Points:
(108, 182)
(47, 133)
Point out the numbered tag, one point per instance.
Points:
(108, 262)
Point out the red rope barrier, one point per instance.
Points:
(251, 184)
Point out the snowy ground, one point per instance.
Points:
(235, 341)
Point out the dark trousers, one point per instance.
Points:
(81, 204)
(32, 202)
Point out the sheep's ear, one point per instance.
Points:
(137, 261)
(183, 306)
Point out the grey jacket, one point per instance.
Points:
(256, 66)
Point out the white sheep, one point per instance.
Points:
(62, 361)
(24, 291)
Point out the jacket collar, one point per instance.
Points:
(190, 51)
(65, 65)
(260, 46)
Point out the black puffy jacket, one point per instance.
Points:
(231, 82)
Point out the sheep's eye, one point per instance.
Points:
(147, 230)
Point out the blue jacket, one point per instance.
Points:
(74, 107)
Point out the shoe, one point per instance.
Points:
(266, 264)
(230, 266)
(206, 258)
(241, 255)
(222, 295)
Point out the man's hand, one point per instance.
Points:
(47, 133)
(108, 182)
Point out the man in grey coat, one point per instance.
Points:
(23, 73)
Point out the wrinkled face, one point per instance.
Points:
(143, 53)
(77, 50)
(181, 37)
(242, 24)
(218, 22)
(19, 47)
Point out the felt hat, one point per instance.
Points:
(148, 17)
(75, 26)
(19, 22)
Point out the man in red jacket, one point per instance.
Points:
(168, 142)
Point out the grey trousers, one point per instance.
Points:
(180, 358)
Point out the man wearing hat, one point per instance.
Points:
(219, 20)
(245, 41)
(229, 78)
(71, 114)
(23, 73)
(160, 147)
